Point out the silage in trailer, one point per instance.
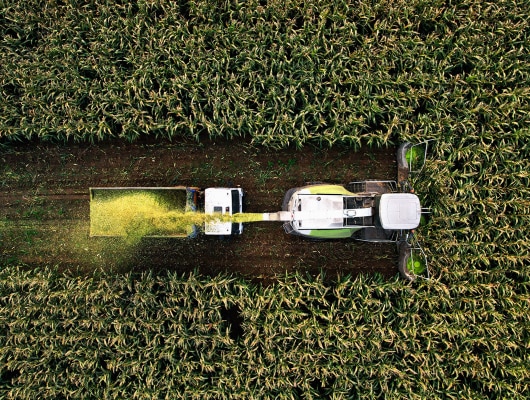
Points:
(138, 212)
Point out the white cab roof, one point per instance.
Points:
(399, 211)
(221, 201)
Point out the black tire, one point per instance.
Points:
(404, 255)
(402, 155)
(403, 165)
(287, 197)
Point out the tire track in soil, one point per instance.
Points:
(44, 209)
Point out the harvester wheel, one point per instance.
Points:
(403, 165)
(404, 255)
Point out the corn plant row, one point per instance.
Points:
(281, 73)
(284, 74)
(478, 187)
(190, 337)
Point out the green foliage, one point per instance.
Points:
(281, 73)
(191, 337)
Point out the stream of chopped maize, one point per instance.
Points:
(247, 217)
(136, 215)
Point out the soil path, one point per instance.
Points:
(44, 206)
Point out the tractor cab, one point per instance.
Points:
(223, 202)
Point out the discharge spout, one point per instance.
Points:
(277, 216)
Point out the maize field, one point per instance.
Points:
(279, 74)
(188, 337)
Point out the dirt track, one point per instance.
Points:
(44, 206)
